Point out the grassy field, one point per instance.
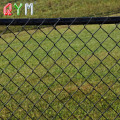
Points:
(39, 76)
(67, 8)
(36, 71)
(59, 8)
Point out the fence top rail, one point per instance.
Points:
(61, 21)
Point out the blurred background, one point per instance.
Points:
(64, 8)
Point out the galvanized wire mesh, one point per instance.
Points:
(67, 70)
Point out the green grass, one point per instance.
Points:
(59, 8)
(68, 8)
(80, 73)
(45, 76)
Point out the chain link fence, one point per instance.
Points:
(66, 68)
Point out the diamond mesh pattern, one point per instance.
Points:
(60, 71)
